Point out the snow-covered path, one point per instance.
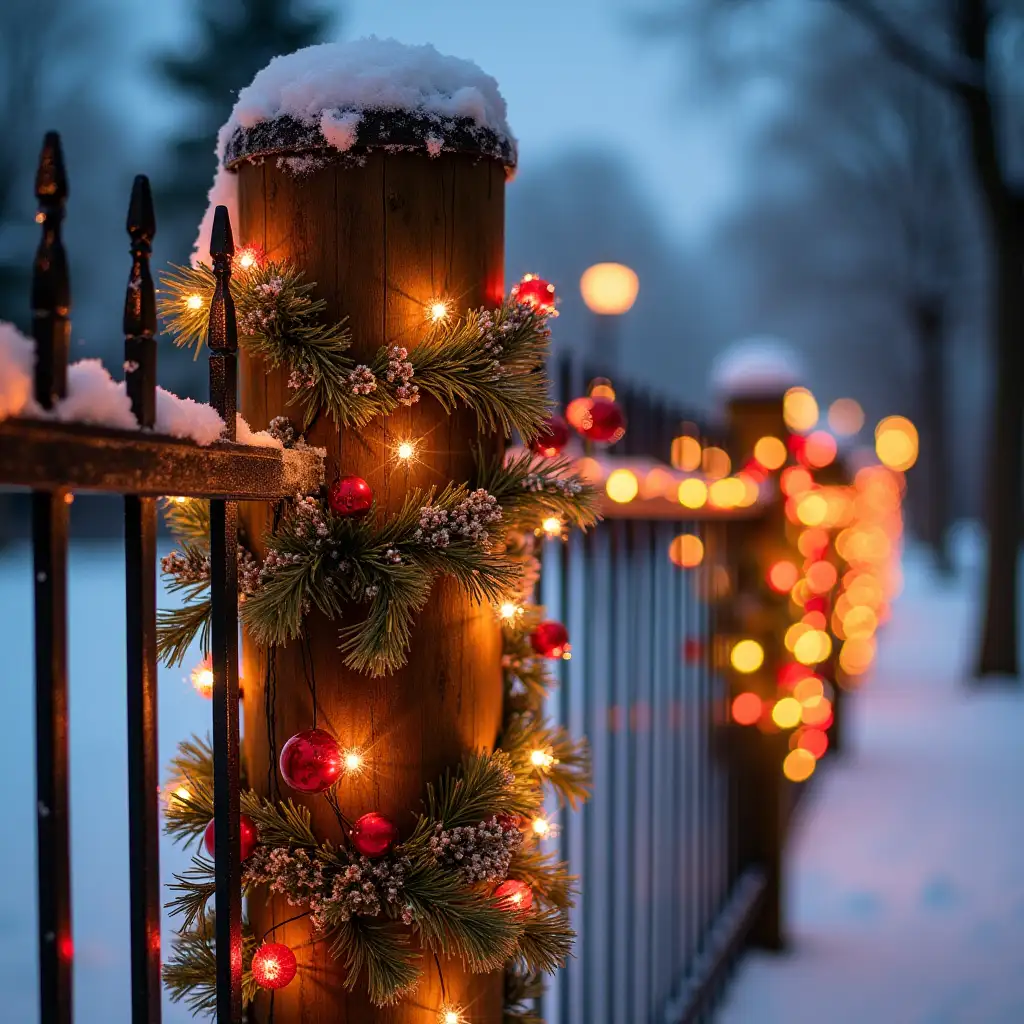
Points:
(906, 870)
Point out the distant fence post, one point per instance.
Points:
(763, 795)
(382, 233)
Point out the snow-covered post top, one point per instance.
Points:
(338, 101)
(749, 380)
(378, 171)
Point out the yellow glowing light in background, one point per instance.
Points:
(622, 485)
(609, 289)
(693, 493)
(799, 410)
(686, 453)
(727, 493)
(246, 259)
(799, 765)
(812, 509)
(438, 310)
(747, 656)
(820, 449)
(813, 647)
(686, 551)
(786, 712)
(716, 463)
(202, 679)
(896, 443)
(856, 656)
(450, 1015)
(194, 302)
(602, 388)
(353, 761)
(770, 452)
(509, 610)
(845, 417)
(751, 490)
(541, 826)
(405, 450)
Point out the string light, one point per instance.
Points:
(622, 486)
(541, 826)
(179, 500)
(194, 302)
(449, 1014)
(353, 761)
(405, 450)
(248, 256)
(747, 656)
(438, 310)
(552, 526)
(202, 678)
(510, 610)
(541, 758)
(273, 965)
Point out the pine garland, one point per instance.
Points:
(368, 910)
(488, 361)
(386, 566)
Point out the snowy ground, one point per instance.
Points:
(906, 873)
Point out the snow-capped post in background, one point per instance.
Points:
(750, 380)
(385, 185)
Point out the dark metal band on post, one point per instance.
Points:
(223, 342)
(51, 303)
(140, 621)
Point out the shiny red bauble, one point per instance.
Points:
(602, 421)
(510, 821)
(248, 837)
(373, 835)
(273, 965)
(515, 895)
(535, 291)
(311, 761)
(553, 437)
(350, 496)
(550, 639)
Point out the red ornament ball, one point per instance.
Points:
(553, 437)
(510, 821)
(273, 965)
(311, 761)
(601, 421)
(373, 835)
(535, 291)
(350, 496)
(248, 836)
(550, 639)
(514, 895)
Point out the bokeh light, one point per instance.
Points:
(622, 485)
(770, 452)
(820, 449)
(747, 656)
(846, 417)
(799, 765)
(686, 453)
(786, 712)
(686, 550)
(799, 410)
(692, 493)
(782, 576)
(746, 708)
(896, 443)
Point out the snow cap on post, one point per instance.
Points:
(336, 101)
(759, 367)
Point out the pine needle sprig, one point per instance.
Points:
(546, 942)
(522, 990)
(383, 951)
(190, 973)
(188, 519)
(547, 877)
(178, 628)
(196, 886)
(282, 824)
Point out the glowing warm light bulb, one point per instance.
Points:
(770, 452)
(799, 765)
(541, 826)
(686, 453)
(812, 647)
(202, 678)
(450, 1015)
(787, 712)
(353, 761)
(179, 500)
(622, 486)
(693, 493)
(782, 576)
(799, 410)
(541, 759)
(747, 656)
(405, 450)
(194, 302)
(716, 463)
(896, 443)
(552, 526)
(509, 610)
(609, 289)
(183, 794)
(438, 310)
(812, 509)
(686, 551)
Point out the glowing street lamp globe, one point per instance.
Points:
(609, 289)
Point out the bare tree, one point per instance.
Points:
(965, 49)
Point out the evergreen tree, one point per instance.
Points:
(236, 38)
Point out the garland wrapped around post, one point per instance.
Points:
(393, 852)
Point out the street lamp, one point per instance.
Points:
(609, 290)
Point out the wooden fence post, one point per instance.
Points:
(764, 796)
(382, 237)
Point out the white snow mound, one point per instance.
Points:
(758, 366)
(330, 83)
